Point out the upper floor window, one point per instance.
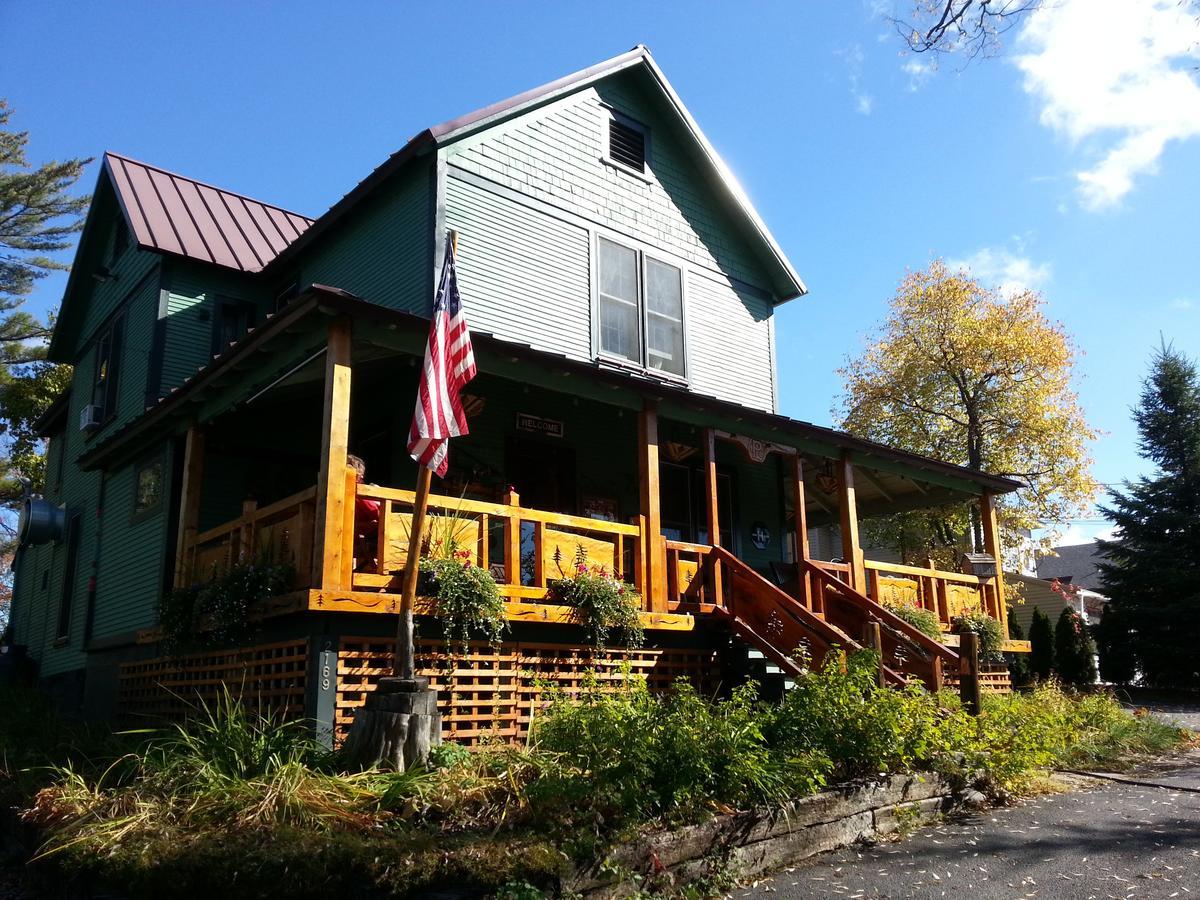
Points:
(640, 309)
(120, 240)
(232, 320)
(108, 359)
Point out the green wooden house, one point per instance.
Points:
(621, 292)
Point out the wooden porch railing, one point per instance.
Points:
(524, 548)
(948, 594)
(281, 532)
(902, 646)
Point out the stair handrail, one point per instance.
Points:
(910, 633)
(821, 628)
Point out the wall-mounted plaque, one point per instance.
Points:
(538, 425)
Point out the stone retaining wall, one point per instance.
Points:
(751, 844)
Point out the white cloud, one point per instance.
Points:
(1182, 304)
(1118, 74)
(918, 73)
(1086, 533)
(1011, 272)
(853, 57)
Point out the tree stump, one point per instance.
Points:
(396, 726)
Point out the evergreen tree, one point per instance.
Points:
(1041, 637)
(1018, 663)
(1074, 652)
(38, 217)
(1118, 665)
(1152, 576)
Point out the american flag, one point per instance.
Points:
(449, 365)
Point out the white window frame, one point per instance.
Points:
(642, 365)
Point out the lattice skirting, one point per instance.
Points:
(269, 678)
(490, 693)
(994, 678)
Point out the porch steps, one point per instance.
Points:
(772, 624)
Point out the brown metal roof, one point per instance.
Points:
(173, 214)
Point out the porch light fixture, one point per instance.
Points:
(826, 480)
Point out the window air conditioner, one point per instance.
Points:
(89, 417)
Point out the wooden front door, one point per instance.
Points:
(543, 473)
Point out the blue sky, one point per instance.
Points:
(1071, 164)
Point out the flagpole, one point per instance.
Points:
(404, 665)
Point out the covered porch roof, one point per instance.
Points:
(285, 348)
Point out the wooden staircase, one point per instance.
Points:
(797, 630)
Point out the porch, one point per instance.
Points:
(651, 475)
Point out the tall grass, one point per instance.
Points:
(235, 785)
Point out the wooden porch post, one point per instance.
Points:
(711, 507)
(800, 514)
(991, 543)
(331, 481)
(189, 503)
(655, 565)
(848, 508)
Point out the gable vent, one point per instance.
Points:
(627, 145)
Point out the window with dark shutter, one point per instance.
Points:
(627, 145)
(108, 361)
(63, 627)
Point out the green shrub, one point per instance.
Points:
(1018, 663)
(635, 755)
(924, 620)
(1074, 652)
(220, 611)
(860, 728)
(990, 631)
(1041, 640)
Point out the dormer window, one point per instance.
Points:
(628, 143)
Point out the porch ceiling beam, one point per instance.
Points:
(875, 483)
(929, 477)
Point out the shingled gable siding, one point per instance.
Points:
(524, 264)
(383, 250)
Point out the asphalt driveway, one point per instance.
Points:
(1115, 840)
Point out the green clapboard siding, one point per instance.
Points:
(133, 294)
(132, 556)
(188, 306)
(383, 251)
(507, 251)
(103, 299)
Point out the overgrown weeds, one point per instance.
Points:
(259, 801)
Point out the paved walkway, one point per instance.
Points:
(1117, 840)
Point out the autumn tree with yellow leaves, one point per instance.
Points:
(962, 374)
